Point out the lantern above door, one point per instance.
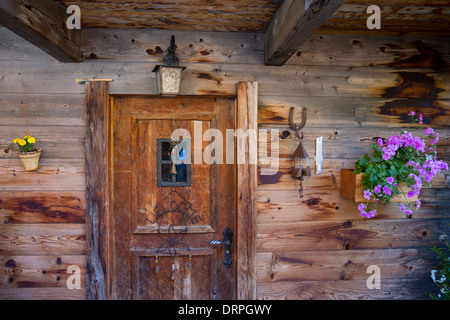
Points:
(168, 75)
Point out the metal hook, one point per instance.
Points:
(295, 126)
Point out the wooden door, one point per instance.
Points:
(163, 222)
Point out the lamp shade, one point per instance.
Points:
(168, 79)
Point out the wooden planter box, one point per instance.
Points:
(352, 188)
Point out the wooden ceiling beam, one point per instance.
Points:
(293, 24)
(43, 23)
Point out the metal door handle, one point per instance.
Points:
(214, 242)
(227, 240)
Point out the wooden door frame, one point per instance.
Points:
(99, 236)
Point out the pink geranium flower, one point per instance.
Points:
(404, 158)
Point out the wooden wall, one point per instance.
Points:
(315, 247)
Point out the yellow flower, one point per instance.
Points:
(16, 140)
(26, 137)
(31, 140)
(21, 142)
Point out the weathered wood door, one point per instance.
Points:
(163, 221)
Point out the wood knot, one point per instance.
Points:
(205, 52)
(348, 224)
(285, 134)
(152, 52)
(312, 202)
(348, 263)
(10, 263)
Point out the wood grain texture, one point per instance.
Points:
(42, 23)
(209, 79)
(292, 25)
(355, 87)
(42, 207)
(40, 272)
(48, 239)
(247, 109)
(97, 188)
(399, 18)
(278, 267)
(248, 15)
(350, 234)
(140, 233)
(54, 176)
(391, 289)
(42, 294)
(284, 205)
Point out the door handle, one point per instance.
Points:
(214, 242)
(227, 240)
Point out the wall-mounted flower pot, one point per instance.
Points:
(352, 188)
(30, 160)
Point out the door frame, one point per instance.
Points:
(99, 191)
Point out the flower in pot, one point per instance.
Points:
(28, 153)
(400, 166)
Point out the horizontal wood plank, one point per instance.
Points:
(391, 289)
(279, 267)
(42, 207)
(248, 48)
(50, 176)
(352, 112)
(345, 143)
(60, 142)
(42, 110)
(43, 239)
(350, 234)
(40, 271)
(254, 16)
(207, 79)
(42, 294)
(285, 206)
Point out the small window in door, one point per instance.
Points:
(173, 167)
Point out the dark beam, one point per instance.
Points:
(43, 23)
(293, 24)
